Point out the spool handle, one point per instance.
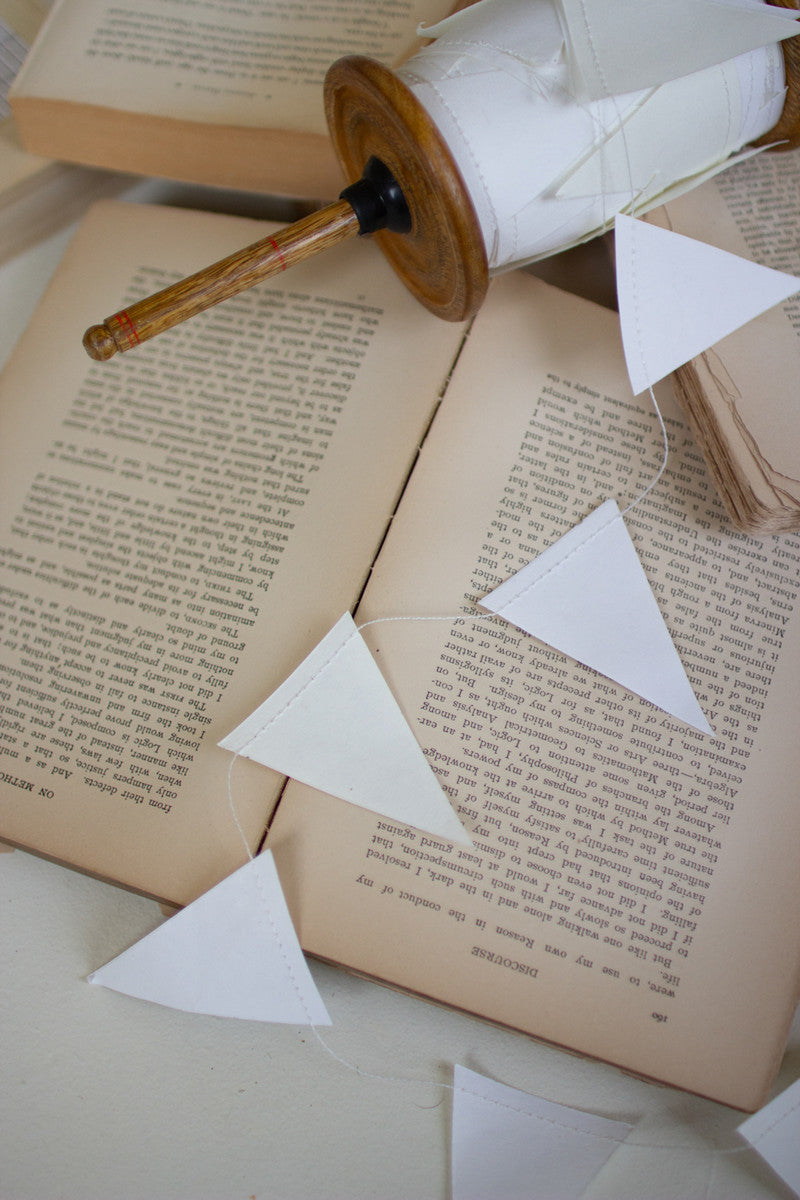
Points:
(372, 203)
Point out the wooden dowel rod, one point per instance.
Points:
(297, 242)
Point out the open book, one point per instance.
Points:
(228, 95)
(741, 396)
(183, 525)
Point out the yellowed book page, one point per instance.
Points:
(633, 888)
(258, 66)
(180, 526)
(751, 210)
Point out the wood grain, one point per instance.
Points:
(297, 242)
(442, 260)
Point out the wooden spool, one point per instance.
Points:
(786, 134)
(442, 260)
(371, 114)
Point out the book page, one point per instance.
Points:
(632, 892)
(748, 380)
(258, 65)
(182, 524)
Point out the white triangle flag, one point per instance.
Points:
(587, 595)
(334, 724)
(233, 952)
(628, 45)
(774, 1131)
(506, 1144)
(678, 296)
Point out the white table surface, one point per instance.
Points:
(107, 1098)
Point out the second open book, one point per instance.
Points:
(183, 525)
(221, 94)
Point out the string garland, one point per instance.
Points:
(497, 85)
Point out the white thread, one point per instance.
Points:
(654, 481)
(381, 1077)
(232, 807)
(601, 75)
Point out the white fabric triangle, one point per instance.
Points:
(507, 1144)
(626, 45)
(334, 724)
(233, 952)
(774, 1131)
(678, 296)
(587, 596)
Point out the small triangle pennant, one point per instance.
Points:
(678, 296)
(507, 1144)
(335, 725)
(587, 596)
(629, 45)
(774, 1131)
(233, 952)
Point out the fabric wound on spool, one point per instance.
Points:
(546, 169)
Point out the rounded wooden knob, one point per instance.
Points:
(372, 114)
(99, 343)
